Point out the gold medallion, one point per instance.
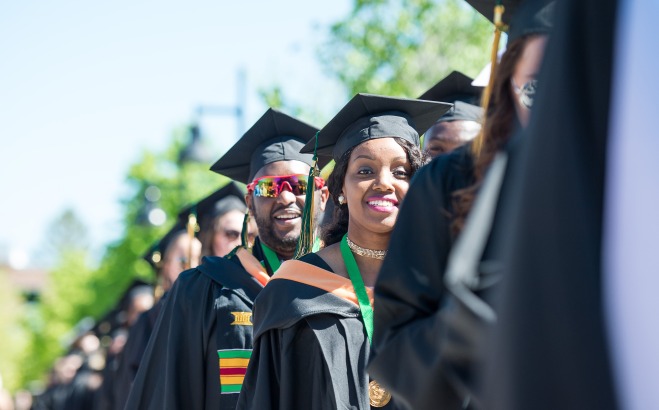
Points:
(377, 395)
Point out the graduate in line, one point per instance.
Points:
(220, 218)
(313, 322)
(199, 350)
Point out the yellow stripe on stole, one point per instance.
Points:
(232, 379)
(234, 362)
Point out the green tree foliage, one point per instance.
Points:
(403, 47)
(180, 184)
(75, 290)
(14, 337)
(67, 297)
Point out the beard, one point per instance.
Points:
(283, 243)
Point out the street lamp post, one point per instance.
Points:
(195, 150)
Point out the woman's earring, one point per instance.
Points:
(342, 199)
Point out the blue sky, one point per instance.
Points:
(85, 87)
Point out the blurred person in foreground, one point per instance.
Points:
(416, 354)
(577, 224)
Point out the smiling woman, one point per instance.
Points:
(313, 322)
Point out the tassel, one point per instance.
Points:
(244, 241)
(499, 27)
(307, 234)
(192, 228)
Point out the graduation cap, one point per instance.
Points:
(486, 8)
(228, 198)
(116, 316)
(368, 116)
(156, 252)
(274, 137)
(457, 88)
(521, 16)
(454, 87)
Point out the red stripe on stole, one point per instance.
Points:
(233, 371)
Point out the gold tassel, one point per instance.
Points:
(499, 27)
(192, 227)
(307, 233)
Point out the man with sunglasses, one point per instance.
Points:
(200, 348)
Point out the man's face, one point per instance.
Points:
(444, 137)
(279, 220)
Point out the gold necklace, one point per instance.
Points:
(369, 253)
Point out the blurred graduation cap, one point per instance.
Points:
(116, 317)
(156, 252)
(486, 8)
(228, 198)
(368, 116)
(274, 137)
(457, 88)
(520, 17)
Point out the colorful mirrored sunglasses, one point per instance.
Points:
(271, 186)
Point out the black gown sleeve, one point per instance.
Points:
(410, 289)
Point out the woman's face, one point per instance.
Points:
(377, 179)
(181, 254)
(227, 232)
(526, 71)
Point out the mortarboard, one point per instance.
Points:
(519, 18)
(368, 116)
(457, 88)
(454, 87)
(228, 198)
(486, 8)
(522, 16)
(534, 17)
(274, 137)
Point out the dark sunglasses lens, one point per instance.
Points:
(527, 93)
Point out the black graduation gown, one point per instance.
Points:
(549, 348)
(311, 347)
(206, 315)
(410, 289)
(130, 357)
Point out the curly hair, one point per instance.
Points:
(333, 232)
(498, 126)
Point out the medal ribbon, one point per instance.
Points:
(271, 256)
(360, 289)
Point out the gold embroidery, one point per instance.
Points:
(242, 318)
